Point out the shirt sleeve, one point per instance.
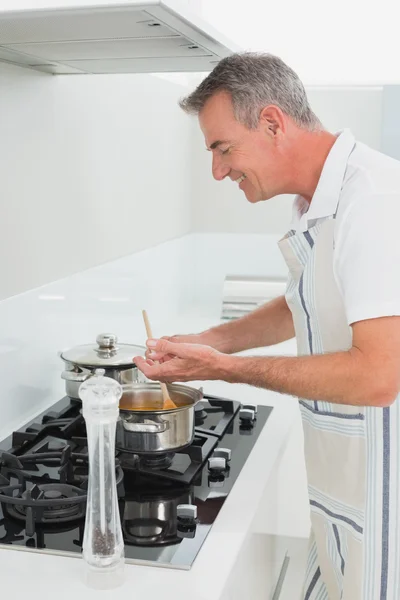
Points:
(367, 257)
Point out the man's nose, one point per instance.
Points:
(219, 169)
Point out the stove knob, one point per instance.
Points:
(251, 407)
(247, 415)
(186, 532)
(217, 463)
(216, 482)
(225, 453)
(187, 524)
(187, 511)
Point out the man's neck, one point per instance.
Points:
(310, 152)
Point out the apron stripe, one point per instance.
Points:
(337, 426)
(336, 506)
(337, 538)
(332, 553)
(313, 583)
(312, 560)
(301, 249)
(310, 343)
(372, 509)
(339, 423)
(385, 502)
(322, 594)
(344, 546)
(395, 497)
(336, 516)
(309, 238)
(333, 414)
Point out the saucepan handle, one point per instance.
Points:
(77, 377)
(146, 426)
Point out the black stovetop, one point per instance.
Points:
(44, 471)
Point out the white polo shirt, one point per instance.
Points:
(362, 187)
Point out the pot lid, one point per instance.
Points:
(106, 353)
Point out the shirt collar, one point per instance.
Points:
(327, 193)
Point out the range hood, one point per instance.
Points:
(126, 37)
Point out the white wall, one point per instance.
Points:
(91, 168)
(328, 43)
(222, 207)
(94, 168)
(390, 143)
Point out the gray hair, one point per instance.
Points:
(254, 80)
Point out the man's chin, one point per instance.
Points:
(253, 198)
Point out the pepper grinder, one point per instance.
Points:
(103, 545)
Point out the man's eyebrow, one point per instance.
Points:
(216, 144)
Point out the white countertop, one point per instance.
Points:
(64, 576)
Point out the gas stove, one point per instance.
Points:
(167, 503)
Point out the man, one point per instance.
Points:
(342, 303)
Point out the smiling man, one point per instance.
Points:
(342, 304)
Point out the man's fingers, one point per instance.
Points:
(155, 371)
(166, 347)
(160, 356)
(147, 366)
(161, 346)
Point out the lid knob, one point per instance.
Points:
(106, 340)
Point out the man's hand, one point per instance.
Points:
(192, 338)
(180, 361)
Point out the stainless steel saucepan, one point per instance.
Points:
(144, 427)
(116, 359)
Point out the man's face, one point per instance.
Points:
(249, 157)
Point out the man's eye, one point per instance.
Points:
(225, 151)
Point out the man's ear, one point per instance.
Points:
(272, 119)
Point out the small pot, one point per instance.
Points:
(81, 362)
(153, 430)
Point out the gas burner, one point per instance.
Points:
(64, 425)
(56, 503)
(149, 519)
(179, 467)
(46, 504)
(214, 416)
(48, 484)
(158, 461)
(13, 532)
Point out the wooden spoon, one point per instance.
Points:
(168, 403)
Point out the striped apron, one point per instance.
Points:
(352, 452)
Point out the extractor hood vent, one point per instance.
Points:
(135, 38)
